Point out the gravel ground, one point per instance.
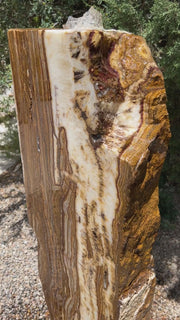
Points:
(21, 295)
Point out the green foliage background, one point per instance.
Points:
(156, 20)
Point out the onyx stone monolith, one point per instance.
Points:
(94, 130)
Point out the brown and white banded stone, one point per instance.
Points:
(94, 130)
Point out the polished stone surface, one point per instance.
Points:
(94, 131)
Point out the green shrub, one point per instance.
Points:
(9, 145)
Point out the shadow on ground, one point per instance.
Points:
(166, 252)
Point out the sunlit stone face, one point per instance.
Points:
(100, 108)
(94, 131)
(87, 83)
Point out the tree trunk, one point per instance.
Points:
(93, 130)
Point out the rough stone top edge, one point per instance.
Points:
(68, 30)
(86, 29)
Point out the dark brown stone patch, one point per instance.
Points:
(78, 74)
(104, 77)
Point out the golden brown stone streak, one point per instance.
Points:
(45, 199)
(94, 130)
